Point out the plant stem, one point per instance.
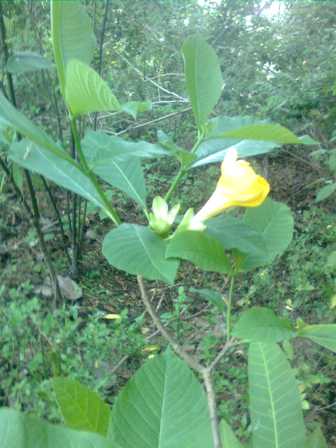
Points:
(182, 171)
(205, 372)
(190, 360)
(17, 190)
(113, 214)
(35, 210)
(211, 396)
(228, 309)
(37, 225)
(58, 216)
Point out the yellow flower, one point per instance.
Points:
(238, 186)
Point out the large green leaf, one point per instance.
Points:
(81, 407)
(60, 171)
(274, 222)
(200, 249)
(18, 430)
(98, 146)
(27, 61)
(214, 148)
(260, 324)
(316, 439)
(203, 77)
(233, 233)
(137, 250)
(162, 406)
(275, 404)
(265, 132)
(72, 35)
(229, 440)
(86, 91)
(20, 123)
(121, 171)
(324, 335)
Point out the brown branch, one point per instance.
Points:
(211, 396)
(190, 360)
(205, 372)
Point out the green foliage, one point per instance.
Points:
(325, 192)
(123, 173)
(201, 249)
(316, 439)
(101, 147)
(60, 171)
(275, 224)
(162, 406)
(275, 404)
(81, 407)
(86, 92)
(27, 61)
(262, 325)
(233, 233)
(16, 120)
(21, 431)
(216, 145)
(72, 36)
(66, 342)
(203, 77)
(134, 108)
(266, 132)
(324, 335)
(229, 440)
(139, 251)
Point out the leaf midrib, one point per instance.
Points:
(267, 375)
(147, 252)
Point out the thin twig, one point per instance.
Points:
(144, 78)
(17, 190)
(211, 396)
(148, 123)
(190, 360)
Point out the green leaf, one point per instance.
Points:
(18, 430)
(137, 250)
(98, 146)
(275, 404)
(85, 90)
(324, 335)
(325, 192)
(316, 439)
(229, 440)
(134, 108)
(203, 77)
(233, 233)
(60, 171)
(27, 61)
(260, 324)
(308, 140)
(200, 249)
(162, 406)
(123, 173)
(81, 407)
(72, 35)
(16, 120)
(265, 132)
(274, 222)
(213, 149)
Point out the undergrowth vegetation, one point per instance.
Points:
(167, 229)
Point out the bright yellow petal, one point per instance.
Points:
(237, 186)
